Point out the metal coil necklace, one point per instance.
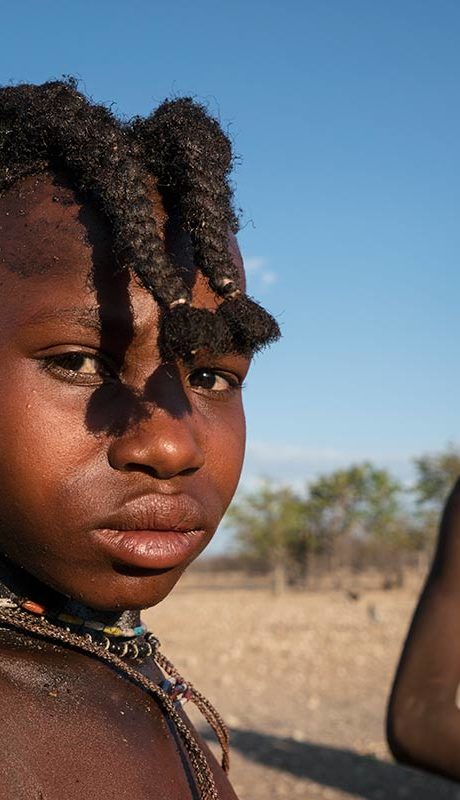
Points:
(135, 643)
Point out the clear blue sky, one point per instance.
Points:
(347, 118)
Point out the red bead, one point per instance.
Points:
(34, 608)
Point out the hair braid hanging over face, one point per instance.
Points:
(53, 127)
(192, 158)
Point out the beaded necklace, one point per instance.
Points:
(135, 643)
(171, 693)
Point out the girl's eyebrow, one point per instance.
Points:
(91, 318)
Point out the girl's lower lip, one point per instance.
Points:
(151, 549)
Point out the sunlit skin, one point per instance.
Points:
(93, 424)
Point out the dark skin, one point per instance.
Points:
(423, 715)
(91, 422)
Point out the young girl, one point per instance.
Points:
(125, 336)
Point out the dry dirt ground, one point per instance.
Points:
(302, 682)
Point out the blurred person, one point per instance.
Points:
(423, 725)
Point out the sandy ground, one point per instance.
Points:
(302, 682)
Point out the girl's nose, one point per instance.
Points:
(161, 444)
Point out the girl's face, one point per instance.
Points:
(115, 469)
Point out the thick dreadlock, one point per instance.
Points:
(54, 127)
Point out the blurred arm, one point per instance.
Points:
(423, 725)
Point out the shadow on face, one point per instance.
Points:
(114, 410)
(70, 238)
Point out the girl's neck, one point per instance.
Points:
(16, 583)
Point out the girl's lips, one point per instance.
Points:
(156, 512)
(151, 549)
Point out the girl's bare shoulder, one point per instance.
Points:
(72, 727)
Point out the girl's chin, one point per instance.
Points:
(127, 590)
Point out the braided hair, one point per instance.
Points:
(53, 127)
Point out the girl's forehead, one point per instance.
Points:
(44, 215)
(45, 229)
(56, 247)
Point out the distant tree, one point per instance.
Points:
(436, 474)
(268, 524)
(358, 517)
(358, 501)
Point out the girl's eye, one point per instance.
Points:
(77, 367)
(212, 381)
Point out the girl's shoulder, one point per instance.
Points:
(73, 727)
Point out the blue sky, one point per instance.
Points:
(346, 117)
